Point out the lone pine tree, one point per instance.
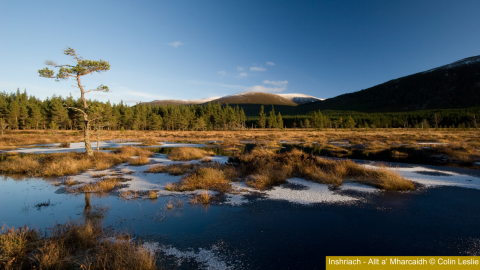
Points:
(82, 68)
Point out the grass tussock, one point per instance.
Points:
(264, 169)
(71, 246)
(64, 145)
(70, 182)
(152, 194)
(202, 178)
(188, 153)
(172, 169)
(140, 160)
(150, 142)
(104, 185)
(60, 164)
(461, 152)
(203, 198)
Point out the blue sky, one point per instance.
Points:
(197, 49)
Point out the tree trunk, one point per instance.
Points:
(86, 136)
(97, 134)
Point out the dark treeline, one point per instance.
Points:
(21, 111)
(446, 118)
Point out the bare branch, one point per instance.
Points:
(74, 108)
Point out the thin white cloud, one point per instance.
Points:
(243, 74)
(270, 64)
(176, 44)
(281, 86)
(276, 83)
(240, 68)
(261, 88)
(257, 69)
(222, 72)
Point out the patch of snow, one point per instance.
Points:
(139, 180)
(300, 98)
(430, 177)
(200, 101)
(358, 187)
(235, 199)
(464, 61)
(314, 193)
(80, 147)
(209, 259)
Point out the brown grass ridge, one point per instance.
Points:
(71, 246)
(60, 164)
(263, 169)
(188, 153)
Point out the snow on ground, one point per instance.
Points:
(300, 98)
(303, 192)
(199, 101)
(208, 258)
(358, 187)
(431, 177)
(316, 193)
(80, 147)
(235, 199)
(139, 180)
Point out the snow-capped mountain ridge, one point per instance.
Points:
(465, 61)
(248, 98)
(300, 98)
(200, 101)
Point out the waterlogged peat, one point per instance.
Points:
(402, 154)
(277, 229)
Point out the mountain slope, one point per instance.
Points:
(255, 98)
(300, 98)
(181, 102)
(456, 85)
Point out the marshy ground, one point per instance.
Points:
(200, 201)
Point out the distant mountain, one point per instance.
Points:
(181, 102)
(246, 98)
(300, 98)
(255, 98)
(456, 85)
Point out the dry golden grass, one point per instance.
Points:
(152, 194)
(202, 178)
(70, 182)
(17, 138)
(263, 169)
(140, 160)
(13, 243)
(71, 246)
(72, 163)
(103, 185)
(150, 142)
(169, 204)
(188, 153)
(203, 198)
(206, 160)
(461, 151)
(172, 169)
(171, 187)
(64, 145)
(128, 194)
